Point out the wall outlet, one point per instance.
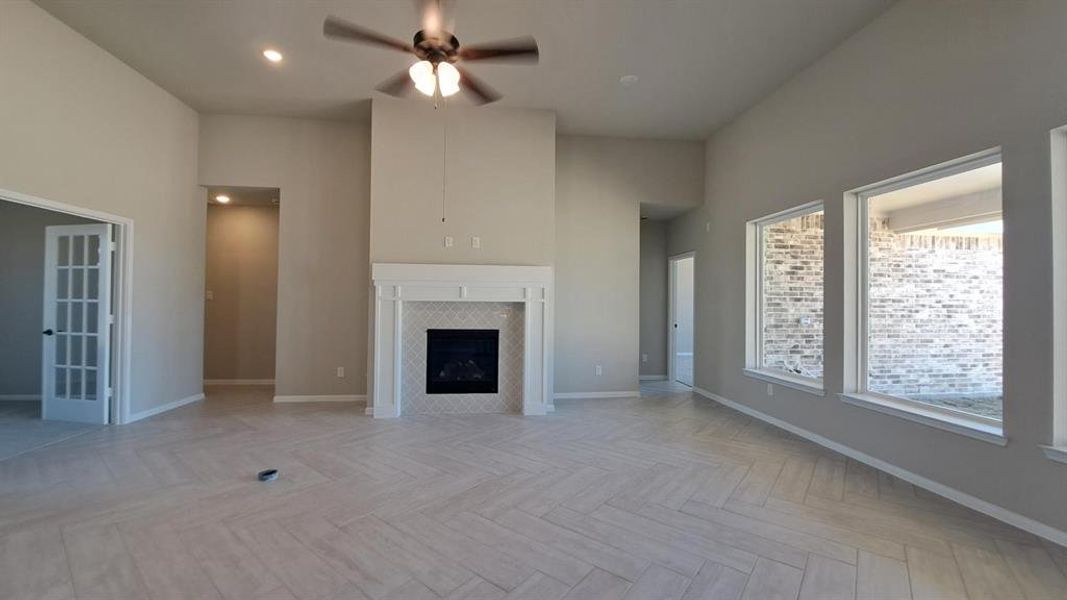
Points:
(707, 226)
(209, 295)
(340, 372)
(476, 242)
(599, 370)
(770, 389)
(448, 241)
(644, 358)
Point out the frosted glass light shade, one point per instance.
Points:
(423, 76)
(448, 79)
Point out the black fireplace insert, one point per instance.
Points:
(462, 361)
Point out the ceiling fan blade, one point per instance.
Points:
(522, 49)
(480, 91)
(399, 85)
(340, 29)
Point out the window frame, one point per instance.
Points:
(1057, 448)
(754, 366)
(856, 308)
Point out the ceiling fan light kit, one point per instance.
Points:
(437, 52)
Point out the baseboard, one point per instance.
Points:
(151, 412)
(987, 508)
(323, 398)
(238, 382)
(369, 411)
(20, 397)
(550, 407)
(588, 395)
(652, 377)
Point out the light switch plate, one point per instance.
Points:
(448, 241)
(476, 242)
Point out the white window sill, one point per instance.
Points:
(804, 384)
(931, 417)
(1056, 453)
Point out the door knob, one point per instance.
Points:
(48, 332)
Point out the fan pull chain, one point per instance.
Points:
(444, 151)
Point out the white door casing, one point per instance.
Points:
(75, 378)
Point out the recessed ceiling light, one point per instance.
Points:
(628, 80)
(222, 199)
(272, 55)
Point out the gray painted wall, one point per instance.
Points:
(496, 181)
(21, 302)
(122, 145)
(949, 79)
(653, 299)
(323, 171)
(601, 185)
(242, 275)
(598, 245)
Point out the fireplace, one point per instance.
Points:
(410, 300)
(462, 361)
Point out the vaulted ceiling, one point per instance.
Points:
(698, 62)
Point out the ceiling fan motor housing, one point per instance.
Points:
(436, 48)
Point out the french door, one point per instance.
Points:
(77, 323)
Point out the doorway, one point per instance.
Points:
(63, 317)
(680, 320)
(241, 287)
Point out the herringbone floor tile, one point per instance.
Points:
(659, 497)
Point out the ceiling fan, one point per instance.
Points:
(438, 52)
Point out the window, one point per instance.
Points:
(1057, 449)
(785, 296)
(929, 293)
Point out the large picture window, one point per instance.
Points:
(930, 316)
(786, 297)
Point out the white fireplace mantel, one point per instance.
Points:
(396, 284)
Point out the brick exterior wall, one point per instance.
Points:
(793, 296)
(935, 315)
(935, 311)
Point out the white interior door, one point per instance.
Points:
(681, 319)
(77, 323)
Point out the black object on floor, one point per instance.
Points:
(268, 475)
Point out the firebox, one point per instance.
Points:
(462, 361)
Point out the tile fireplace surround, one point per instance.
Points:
(431, 293)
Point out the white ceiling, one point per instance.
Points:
(700, 62)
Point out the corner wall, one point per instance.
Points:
(653, 299)
(119, 144)
(952, 79)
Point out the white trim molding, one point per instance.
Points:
(592, 395)
(856, 305)
(796, 382)
(952, 421)
(988, 508)
(652, 377)
(1058, 170)
(396, 284)
(121, 299)
(321, 398)
(151, 412)
(1056, 453)
(238, 382)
